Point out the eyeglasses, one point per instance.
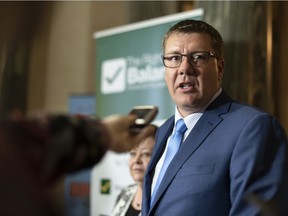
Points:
(196, 59)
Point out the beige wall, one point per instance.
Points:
(63, 51)
(282, 53)
(67, 54)
(38, 63)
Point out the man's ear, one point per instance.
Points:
(221, 65)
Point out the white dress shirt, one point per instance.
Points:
(190, 122)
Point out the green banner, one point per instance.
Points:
(129, 66)
(129, 73)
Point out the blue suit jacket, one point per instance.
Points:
(234, 150)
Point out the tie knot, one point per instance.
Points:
(180, 126)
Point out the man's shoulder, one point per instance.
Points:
(246, 108)
(242, 106)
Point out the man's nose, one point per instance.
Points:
(185, 66)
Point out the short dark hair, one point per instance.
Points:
(197, 26)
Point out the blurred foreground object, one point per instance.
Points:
(36, 151)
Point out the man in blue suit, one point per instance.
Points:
(230, 152)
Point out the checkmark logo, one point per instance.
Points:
(113, 76)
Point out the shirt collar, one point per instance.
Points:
(186, 119)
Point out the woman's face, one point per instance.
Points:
(139, 159)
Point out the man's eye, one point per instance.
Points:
(173, 58)
(199, 57)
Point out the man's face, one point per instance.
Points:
(191, 88)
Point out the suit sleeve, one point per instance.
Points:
(257, 165)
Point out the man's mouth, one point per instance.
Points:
(186, 85)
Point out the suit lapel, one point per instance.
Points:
(161, 137)
(206, 124)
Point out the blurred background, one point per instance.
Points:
(47, 49)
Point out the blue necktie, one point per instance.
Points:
(172, 148)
